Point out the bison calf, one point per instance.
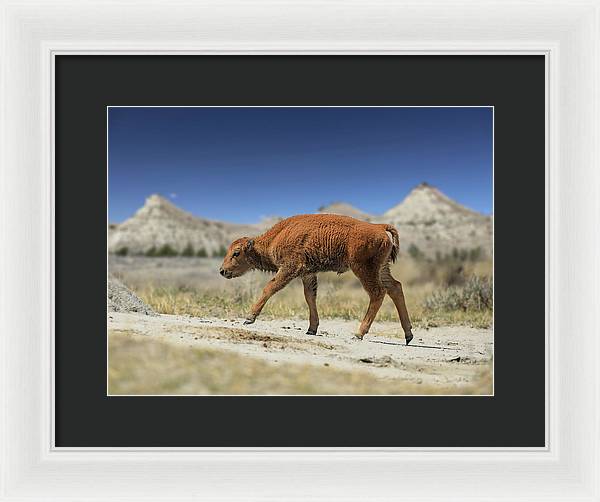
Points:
(303, 245)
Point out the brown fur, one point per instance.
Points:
(302, 246)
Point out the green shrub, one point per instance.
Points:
(475, 295)
(415, 252)
(124, 251)
(201, 253)
(188, 251)
(222, 251)
(453, 274)
(475, 254)
(460, 255)
(166, 250)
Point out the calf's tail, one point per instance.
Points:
(395, 241)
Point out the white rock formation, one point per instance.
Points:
(160, 223)
(426, 218)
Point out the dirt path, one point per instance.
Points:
(436, 356)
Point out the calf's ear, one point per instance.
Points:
(249, 244)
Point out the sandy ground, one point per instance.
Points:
(443, 355)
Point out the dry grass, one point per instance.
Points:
(140, 365)
(340, 296)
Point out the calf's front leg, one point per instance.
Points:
(280, 281)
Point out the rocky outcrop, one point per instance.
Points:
(429, 223)
(121, 299)
(159, 223)
(347, 210)
(438, 225)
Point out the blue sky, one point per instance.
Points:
(241, 164)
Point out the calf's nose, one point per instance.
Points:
(222, 272)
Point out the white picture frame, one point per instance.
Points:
(567, 33)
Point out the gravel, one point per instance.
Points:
(121, 299)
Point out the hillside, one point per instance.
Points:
(426, 219)
(431, 221)
(159, 222)
(435, 223)
(346, 210)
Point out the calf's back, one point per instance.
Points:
(326, 242)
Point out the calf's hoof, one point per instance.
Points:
(359, 336)
(311, 332)
(408, 336)
(249, 320)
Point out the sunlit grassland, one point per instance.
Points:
(426, 286)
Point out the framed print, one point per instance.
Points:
(247, 352)
(255, 253)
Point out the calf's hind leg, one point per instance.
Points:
(310, 294)
(369, 278)
(394, 289)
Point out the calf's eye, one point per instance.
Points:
(236, 253)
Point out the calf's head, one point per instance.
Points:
(236, 261)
